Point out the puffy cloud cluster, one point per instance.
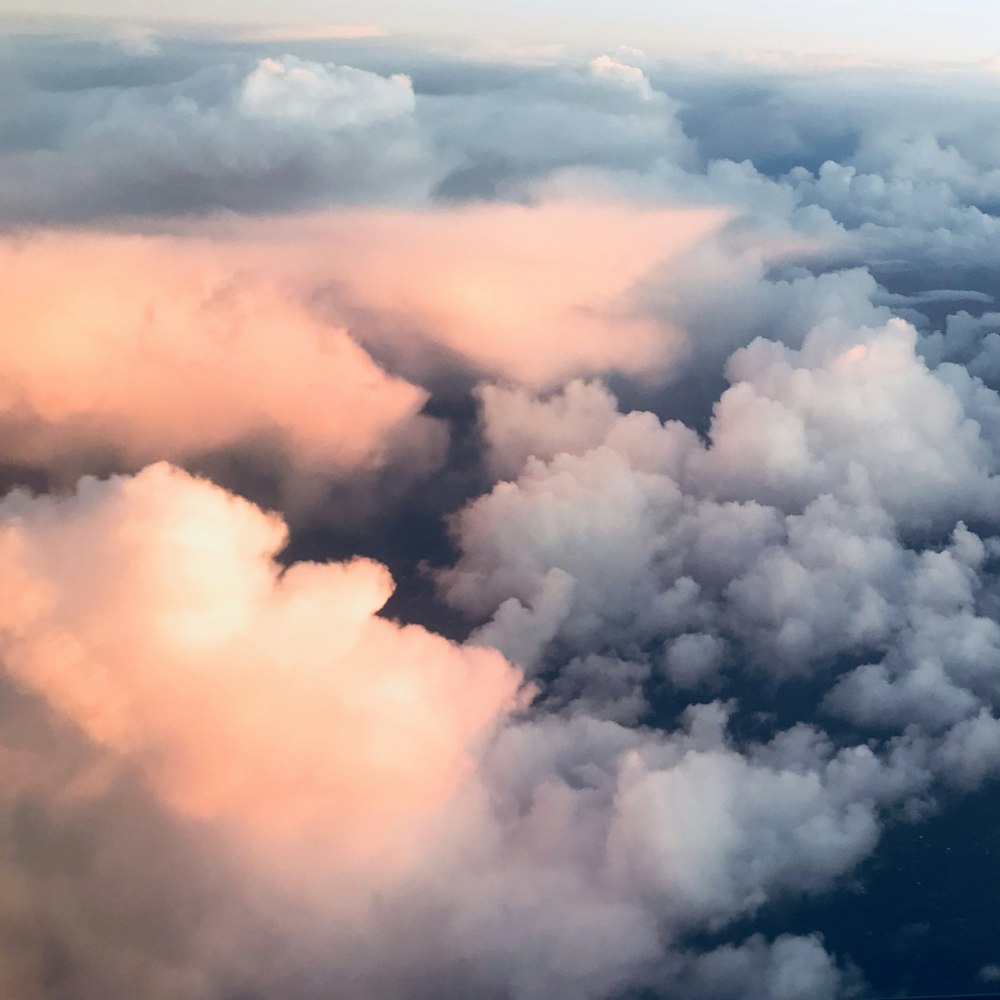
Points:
(621, 74)
(730, 505)
(335, 751)
(149, 612)
(274, 134)
(607, 114)
(535, 293)
(813, 525)
(325, 97)
(129, 348)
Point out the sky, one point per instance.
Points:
(893, 30)
(499, 511)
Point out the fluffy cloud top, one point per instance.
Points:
(252, 136)
(159, 347)
(175, 347)
(621, 74)
(150, 613)
(628, 541)
(363, 773)
(738, 453)
(531, 293)
(325, 96)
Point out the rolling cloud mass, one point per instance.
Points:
(495, 524)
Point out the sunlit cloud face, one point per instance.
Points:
(292, 90)
(153, 347)
(176, 346)
(506, 305)
(532, 294)
(150, 613)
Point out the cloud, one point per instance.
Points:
(534, 294)
(327, 97)
(268, 135)
(672, 832)
(989, 973)
(345, 759)
(623, 542)
(606, 112)
(621, 74)
(786, 968)
(244, 323)
(149, 612)
(517, 425)
(871, 406)
(737, 455)
(169, 347)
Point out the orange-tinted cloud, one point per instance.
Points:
(531, 293)
(161, 347)
(149, 611)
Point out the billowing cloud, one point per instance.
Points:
(327, 97)
(231, 337)
(698, 363)
(517, 425)
(238, 134)
(345, 757)
(626, 539)
(150, 613)
(534, 294)
(157, 347)
(621, 74)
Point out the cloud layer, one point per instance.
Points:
(668, 392)
(122, 349)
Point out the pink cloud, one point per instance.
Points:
(150, 612)
(531, 293)
(172, 346)
(166, 347)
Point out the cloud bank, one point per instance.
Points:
(669, 395)
(157, 347)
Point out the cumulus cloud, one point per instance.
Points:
(607, 844)
(327, 97)
(872, 406)
(156, 347)
(788, 967)
(274, 701)
(181, 346)
(621, 74)
(274, 134)
(517, 425)
(262, 329)
(607, 113)
(625, 538)
(343, 755)
(737, 449)
(532, 293)
(210, 764)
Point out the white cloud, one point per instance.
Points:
(798, 533)
(323, 96)
(621, 74)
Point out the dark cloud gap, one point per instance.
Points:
(412, 534)
(916, 916)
